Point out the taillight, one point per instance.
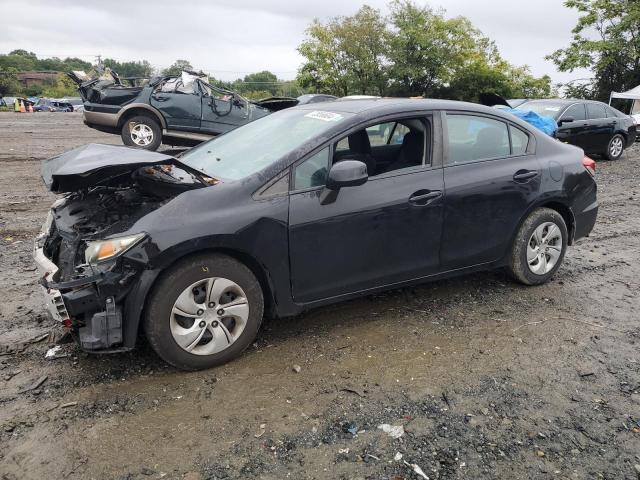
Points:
(590, 165)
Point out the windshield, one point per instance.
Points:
(249, 149)
(545, 109)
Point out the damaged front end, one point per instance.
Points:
(87, 255)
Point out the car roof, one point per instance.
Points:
(394, 105)
(563, 101)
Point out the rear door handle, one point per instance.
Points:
(424, 197)
(524, 175)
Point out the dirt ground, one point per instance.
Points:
(489, 379)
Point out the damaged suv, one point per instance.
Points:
(308, 206)
(181, 110)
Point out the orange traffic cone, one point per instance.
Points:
(22, 109)
(30, 108)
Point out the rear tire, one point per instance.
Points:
(615, 147)
(211, 336)
(141, 131)
(539, 247)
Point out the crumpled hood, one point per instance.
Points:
(97, 164)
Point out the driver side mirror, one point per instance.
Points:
(346, 173)
(566, 120)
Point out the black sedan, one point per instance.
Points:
(593, 126)
(302, 208)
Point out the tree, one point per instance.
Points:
(346, 54)
(606, 40)
(64, 87)
(177, 68)
(263, 82)
(129, 69)
(428, 50)
(415, 51)
(9, 82)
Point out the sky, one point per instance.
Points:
(230, 38)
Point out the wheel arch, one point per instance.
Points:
(140, 109)
(567, 215)
(137, 300)
(559, 206)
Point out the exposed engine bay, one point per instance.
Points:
(111, 189)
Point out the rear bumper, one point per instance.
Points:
(585, 221)
(103, 119)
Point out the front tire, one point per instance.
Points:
(141, 131)
(615, 147)
(539, 247)
(204, 312)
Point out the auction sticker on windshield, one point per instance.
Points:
(324, 116)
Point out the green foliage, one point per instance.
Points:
(346, 55)
(9, 82)
(177, 68)
(129, 69)
(605, 40)
(256, 86)
(416, 51)
(24, 61)
(64, 87)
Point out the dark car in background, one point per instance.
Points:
(181, 110)
(593, 126)
(51, 105)
(305, 207)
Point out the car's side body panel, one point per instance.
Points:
(372, 237)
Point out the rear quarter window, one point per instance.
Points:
(519, 141)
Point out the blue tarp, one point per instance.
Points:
(547, 124)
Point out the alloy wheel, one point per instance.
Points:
(209, 316)
(544, 248)
(615, 149)
(141, 134)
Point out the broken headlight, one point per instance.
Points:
(108, 249)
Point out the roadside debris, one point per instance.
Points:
(296, 368)
(397, 457)
(394, 431)
(54, 353)
(354, 391)
(69, 404)
(350, 427)
(263, 428)
(417, 470)
(36, 384)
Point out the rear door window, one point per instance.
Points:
(595, 111)
(577, 112)
(471, 138)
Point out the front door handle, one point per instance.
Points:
(424, 197)
(524, 175)
(160, 98)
